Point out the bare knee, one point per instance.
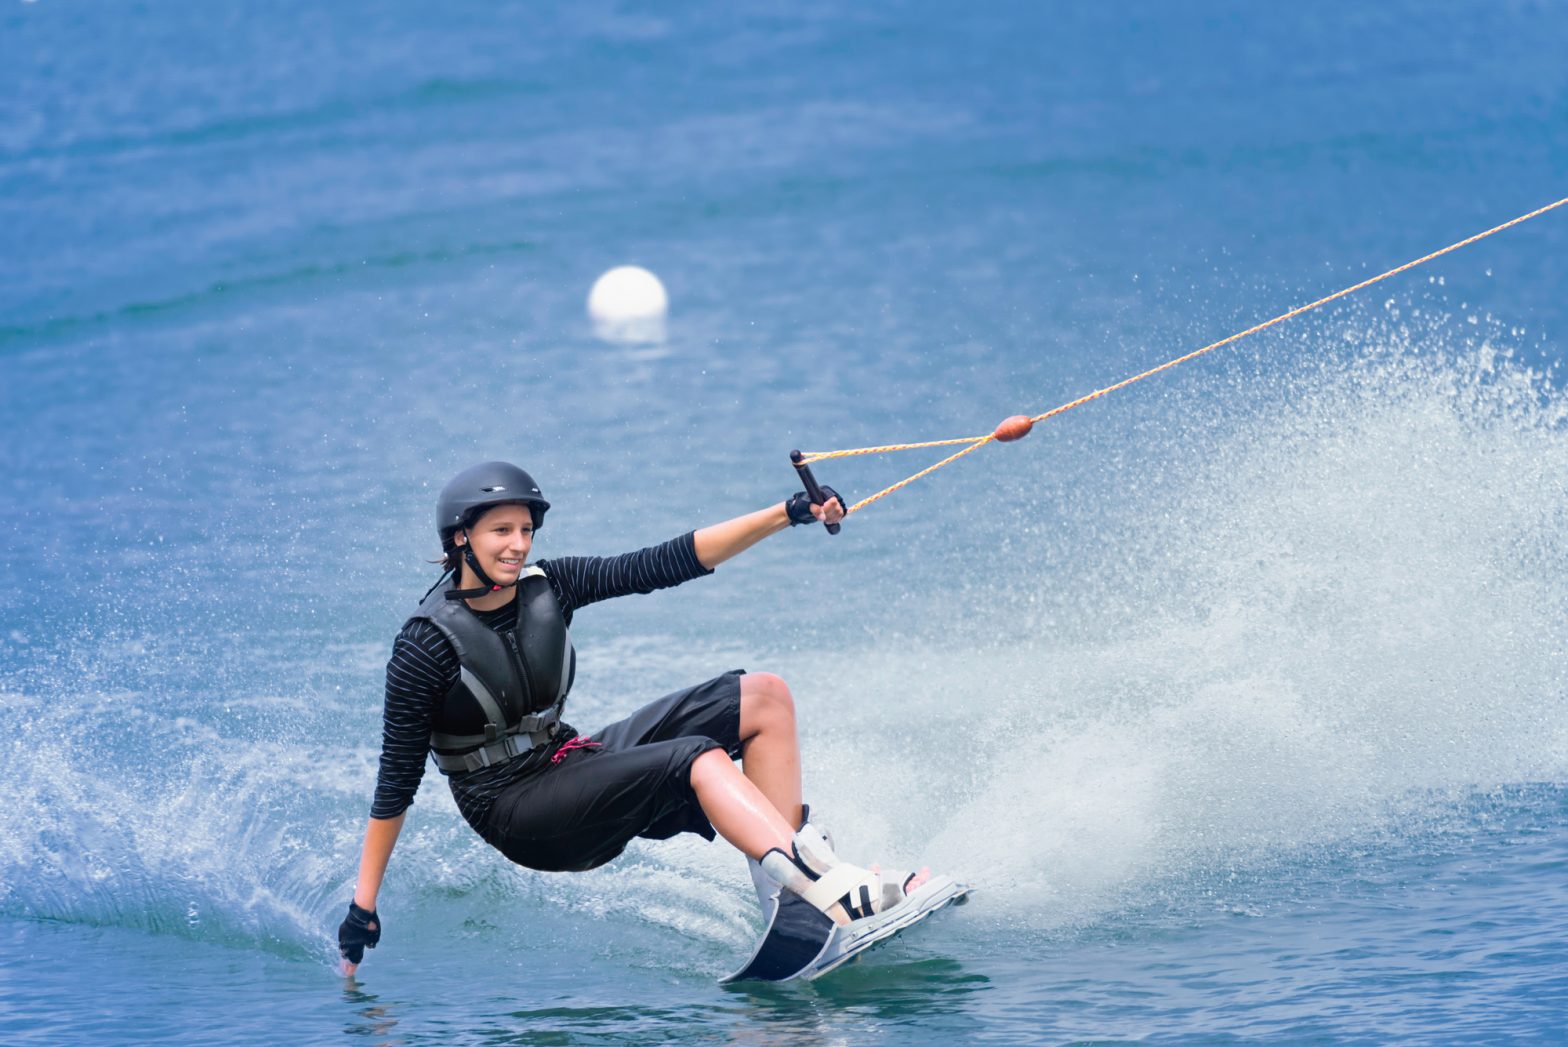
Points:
(765, 704)
(710, 769)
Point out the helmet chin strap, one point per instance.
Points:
(488, 585)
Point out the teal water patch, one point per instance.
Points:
(244, 292)
(341, 116)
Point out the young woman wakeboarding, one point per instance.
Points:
(478, 678)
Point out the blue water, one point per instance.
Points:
(1239, 695)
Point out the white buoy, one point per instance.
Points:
(628, 304)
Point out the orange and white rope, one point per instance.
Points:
(976, 442)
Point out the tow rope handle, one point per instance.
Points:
(812, 490)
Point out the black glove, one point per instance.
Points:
(799, 506)
(362, 928)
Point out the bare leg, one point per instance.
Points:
(743, 816)
(736, 807)
(770, 752)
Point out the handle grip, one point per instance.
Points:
(812, 490)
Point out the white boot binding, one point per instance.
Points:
(767, 887)
(800, 939)
(836, 888)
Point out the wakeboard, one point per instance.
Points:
(801, 942)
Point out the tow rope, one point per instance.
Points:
(1018, 426)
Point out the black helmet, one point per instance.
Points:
(481, 486)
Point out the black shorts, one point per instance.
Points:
(582, 811)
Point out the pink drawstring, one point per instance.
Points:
(579, 742)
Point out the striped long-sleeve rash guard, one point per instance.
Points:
(424, 667)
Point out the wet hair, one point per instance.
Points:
(451, 559)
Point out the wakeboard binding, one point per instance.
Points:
(801, 893)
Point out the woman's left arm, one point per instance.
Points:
(721, 541)
(582, 580)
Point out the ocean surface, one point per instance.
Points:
(1240, 696)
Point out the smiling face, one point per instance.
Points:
(501, 539)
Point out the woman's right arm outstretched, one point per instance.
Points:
(380, 838)
(362, 927)
(422, 668)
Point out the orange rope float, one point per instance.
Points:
(1018, 426)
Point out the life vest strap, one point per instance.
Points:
(506, 748)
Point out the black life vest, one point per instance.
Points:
(511, 685)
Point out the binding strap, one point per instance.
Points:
(838, 885)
